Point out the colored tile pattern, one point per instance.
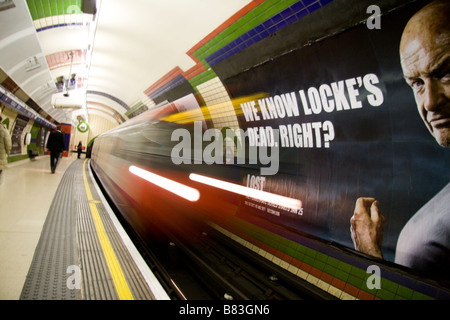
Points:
(43, 8)
(60, 59)
(264, 20)
(113, 98)
(169, 81)
(336, 272)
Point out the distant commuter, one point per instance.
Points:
(5, 146)
(56, 145)
(424, 242)
(79, 149)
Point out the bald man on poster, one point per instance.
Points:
(424, 242)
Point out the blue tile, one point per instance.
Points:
(267, 24)
(325, 2)
(291, 19)
(252, 32)
(273, 29)
(283, 24)
(313, 7)
(286, 13)
(302, 14)
(296, 7)
(259, 28)
(250, 41)
(426, 289)
(277, 18)
(242, 46)
(257, 38)
(245, 36)
(308, 2)
(443, 295)
(264, 34)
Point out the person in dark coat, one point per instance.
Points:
(79, 149)
(56, 145)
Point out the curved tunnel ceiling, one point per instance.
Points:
(130, 45)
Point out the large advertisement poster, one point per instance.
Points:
(363, 123)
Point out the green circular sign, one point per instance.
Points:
(83, 126)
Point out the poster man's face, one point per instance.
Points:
(425, 59)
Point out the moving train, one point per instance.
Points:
(279, 164)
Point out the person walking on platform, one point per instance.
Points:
(79, 149)
(5, 146)
(56, 145)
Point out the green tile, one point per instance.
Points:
(342, 275)
(358, 273)
(60, 5)
(389, 285)
(333, 262)
(330, 270)
(47, 9)
(299, 256)
(264, 16)
(318, 264)
(405, 292)
(53, 8)
(420, 296)
(322, 257)
(355, 281)
(307, 259)
(385, 294)
(344, 267)
(311, 253)
(264, 6)
(32, 8)
(289, 251)
(300, 248)
(269, 13)
(253, 23)
(290, 2)
(39, 9)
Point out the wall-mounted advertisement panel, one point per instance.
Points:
(362, 123)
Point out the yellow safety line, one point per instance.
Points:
(113, 264)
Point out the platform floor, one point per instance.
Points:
(27, 189)
(57, 230)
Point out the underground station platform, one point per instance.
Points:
(83, 252)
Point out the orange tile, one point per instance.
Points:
(305, 267)
(326, 277)
(362, 295)
(315, 272)
(338, 283)
(296, 263)
(351, 290)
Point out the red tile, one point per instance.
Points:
(315, 272)
(252, 5)
(326, 277)
(338, 283)
(296, 263)
(351, 290)
(242, 12)
(287, 258)
(305, 267)
(362, 295)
